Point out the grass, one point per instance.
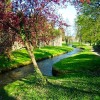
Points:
(82, 84)
(83, 62)
(60, 88)
(80, 45)
(20, 57)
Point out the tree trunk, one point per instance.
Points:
(66, 40)
(8, 54)
(39, 77)
(90, 42)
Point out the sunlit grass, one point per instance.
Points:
(82, 83)
(59, 88)
(79, 62)
(21, 57)
(84, 61)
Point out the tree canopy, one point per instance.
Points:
(88, 22)
(30, 19)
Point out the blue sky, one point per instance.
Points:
(69, 14)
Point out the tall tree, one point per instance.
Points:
(23, 19)
(88, 26)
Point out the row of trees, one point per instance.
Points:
(88, 23)
(29, 20)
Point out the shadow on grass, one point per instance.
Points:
(20, 58)
(75, 89)
(20, 54)
(4, 95)
(42, 54)
(38, 54)
(84, 64)
(63, 90)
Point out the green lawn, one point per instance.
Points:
(71, 87)
(83, 62)
(20, 57)
(82, 83)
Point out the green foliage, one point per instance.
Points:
(97, 47)
(55, 32)
(79, 45)
(88, 27)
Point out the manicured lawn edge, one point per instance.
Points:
(23, 64)
(57, 71)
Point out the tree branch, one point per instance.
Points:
(12, 27)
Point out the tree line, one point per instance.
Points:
(88, 23)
